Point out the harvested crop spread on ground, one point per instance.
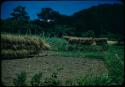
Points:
(21, 45)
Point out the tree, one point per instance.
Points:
(47, 19)
(20, 15)
(48, 13)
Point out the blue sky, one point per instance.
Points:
(63, 7)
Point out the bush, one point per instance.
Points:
(57, 44)
(36, 79)
(20, 80)
(52, 81)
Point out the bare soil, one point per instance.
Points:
(72, 68)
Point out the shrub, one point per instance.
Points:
(20, 80)
(57, 44)
(52, 81)
(35, 81)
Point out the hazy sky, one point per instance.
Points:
(63, 7)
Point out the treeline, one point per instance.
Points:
(104, 20)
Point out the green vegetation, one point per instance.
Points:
(52, 81)
(70, 82)
(100, 80)
(90, 79)
(114, 59)
(20, 80)
(28, 37)
(36, 79)
(57, 44)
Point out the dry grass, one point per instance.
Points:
(21, 45)
(85, 40)
(11, 53)
(112, 42)
(101, 41)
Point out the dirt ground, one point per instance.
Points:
(71, 68)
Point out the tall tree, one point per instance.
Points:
(20, 15)
(47, 19)
(48, 13)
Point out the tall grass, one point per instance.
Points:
(94, 80)
(57, 44)
(21, 79)
(36, 79)
(114, 59)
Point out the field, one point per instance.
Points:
(73, 65)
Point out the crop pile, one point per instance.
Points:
(21, 45)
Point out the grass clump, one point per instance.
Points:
(98, 80)
(114, 59)
(20, 80)
(57, 44)
(35, 81)
(52, 81)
